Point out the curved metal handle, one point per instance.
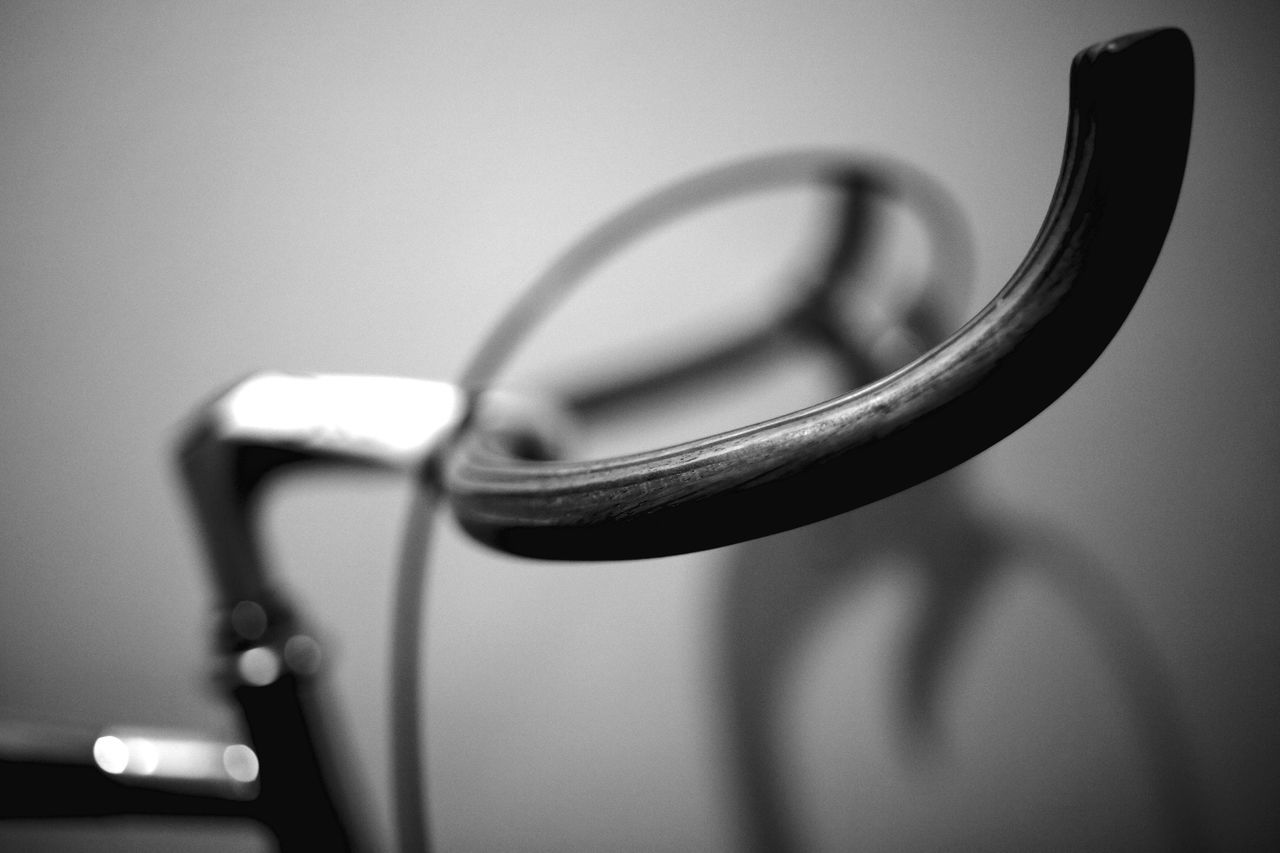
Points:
(270, 424)
(1127, 140)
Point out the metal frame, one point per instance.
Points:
(1127, 142)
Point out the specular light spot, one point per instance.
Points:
(111, 754)
(144, 756)
(240, 762)
(259, 666)
(381, 420)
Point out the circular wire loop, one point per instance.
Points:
(1128, 134)
(857, 178)
(836, 305)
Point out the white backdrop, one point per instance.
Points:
(191, 191)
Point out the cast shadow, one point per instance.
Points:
(777, 588)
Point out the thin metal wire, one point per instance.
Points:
(410, 804)
(412, 813)
(833, 168)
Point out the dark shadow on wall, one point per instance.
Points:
(777, 588)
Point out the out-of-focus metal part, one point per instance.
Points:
(235, 446)
(160, 757)
(272, 423)
(51, 771)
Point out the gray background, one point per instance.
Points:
(192, 191)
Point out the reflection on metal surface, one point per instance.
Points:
(111, 754)
(166, 756)
(259, 665)
(240, 762)
(384, 419)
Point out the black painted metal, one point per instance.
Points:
(1129, 129)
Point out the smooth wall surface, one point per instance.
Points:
(193, 191)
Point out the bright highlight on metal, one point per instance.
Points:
(385, 419)
(173, 757)
(259, 666)
(111, 754)
(240, 762)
